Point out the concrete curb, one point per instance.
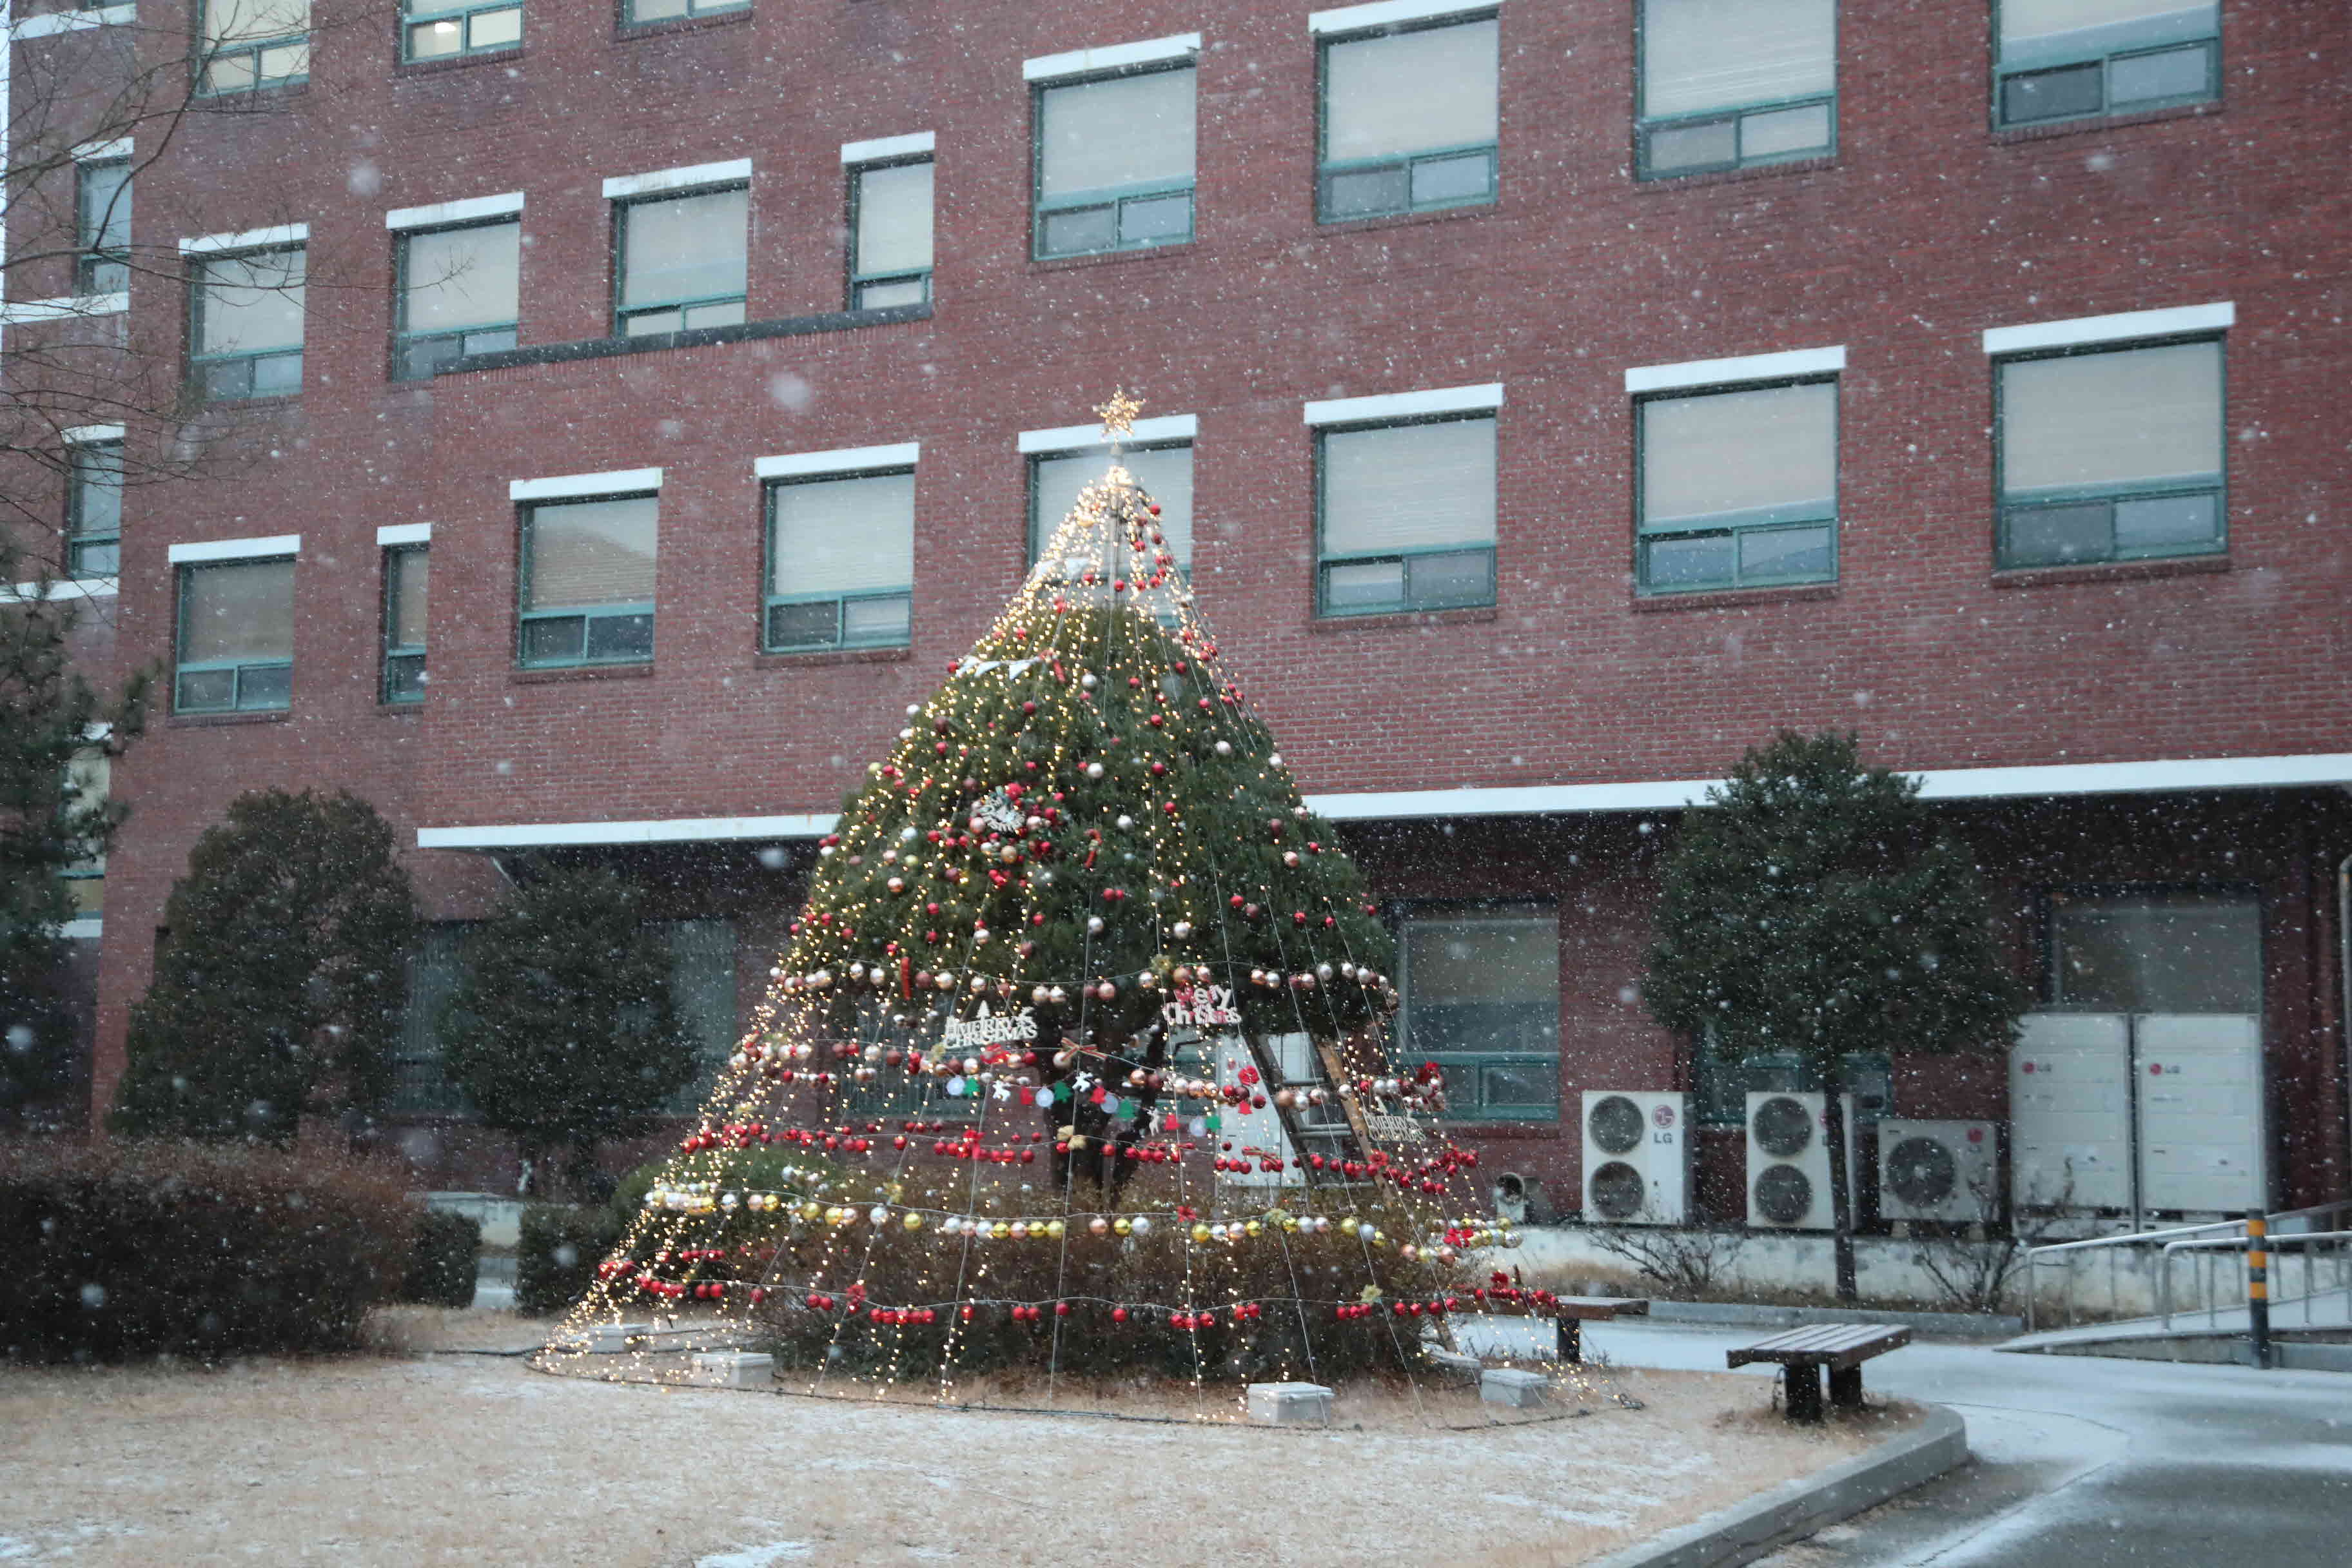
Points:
(1797, 1509)
(1972, 1325)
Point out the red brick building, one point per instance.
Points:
(1562, 394)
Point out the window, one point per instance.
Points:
(236, 636)
(405, 583)
(680, 260)
(247, 323)
(1738, 489)
(2154, 951)
(702, 995)
(1729, 83)
(1405, 516)
(439, 29)
(1115, 159)
(94, 508)
(102, 225)
(1481, 987)
(2112, 455)
(588, 582)
(890, 235)
(435, 967)
(459, 294)
(88, 782)
(1720, 1087)
(254, 42)
(2064, 59)
(642, 11)
(1165, 472)
(841, 562)
(1409, 119)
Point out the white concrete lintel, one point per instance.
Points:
(1392, 13)
(1114, 57)
(50, 24)
(564, 487)
(692, 176)
(102, 152)
(1406, 405)
(91, 434)
(2122, 328)
(882, 149)
(392, 534)
(1084, 437)
(64, 308)
(666, 830)
(84, 928)
(1743, 367)
(271, 238)
(845, 460)
(263, 549)
(63, 588)
(470, 209)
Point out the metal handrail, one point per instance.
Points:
(2035, 1255)
(2273, 1244)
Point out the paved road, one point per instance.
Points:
(2083, 1462)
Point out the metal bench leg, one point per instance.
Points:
(1845, 1388)
(1802, 1388)
(1572, 1341)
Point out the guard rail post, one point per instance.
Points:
(2258, 1286)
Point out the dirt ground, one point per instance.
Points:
(414, 1454)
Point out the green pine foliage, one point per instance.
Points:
(279, 990)
(562, 1031)
(1814, 906)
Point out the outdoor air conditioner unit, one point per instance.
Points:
(1789, 1160)
(1942, 1171)
(1636, 1156)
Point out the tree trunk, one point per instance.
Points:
(1841, 1189)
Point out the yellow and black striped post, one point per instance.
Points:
(2258, 1286)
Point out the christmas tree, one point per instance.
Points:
(1079, 1041)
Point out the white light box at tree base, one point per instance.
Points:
(1074, 1075)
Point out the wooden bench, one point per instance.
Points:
(1803, 1354)
(1570, 1313)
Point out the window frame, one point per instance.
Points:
(2215, 74)
(205, 63)
(462, 12)
(1325, 168)
(77, 537)
(856, 282)
(182, 666)
(394, 653)
(200, 364)
(1115, 198)
(770, 600)
(622, 314)
(1038, 531)
(1646, 126)
(1460, 1109)
(403, 339)
(2049, 949)
(90, 257)
(1324, 561)
(2110, 494)
(1643, 536)
(527, 512)
(695, 11)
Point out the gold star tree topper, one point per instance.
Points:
(1118, 414)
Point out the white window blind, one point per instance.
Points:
(1729, 457)
(463, 278)
(1408, 487)
(1119, 131)
(242, 612)
(1699, 55)
(2036, 31)
(232, 21)
(894, 220)
(843, 536)
(1408, 92)
(684, 247)
(251, 302)
(1165, 473)
(2137, 416)
(593, 552)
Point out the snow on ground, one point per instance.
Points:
(455, 1458)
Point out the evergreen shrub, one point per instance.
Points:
(445, 1261)
(557, 1254)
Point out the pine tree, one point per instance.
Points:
(562, 1031)
(1814, 906)
(277, 992)
(1078, 936)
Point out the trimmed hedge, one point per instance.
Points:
(122, 1250)
(447, 1256)
(556, 1258)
